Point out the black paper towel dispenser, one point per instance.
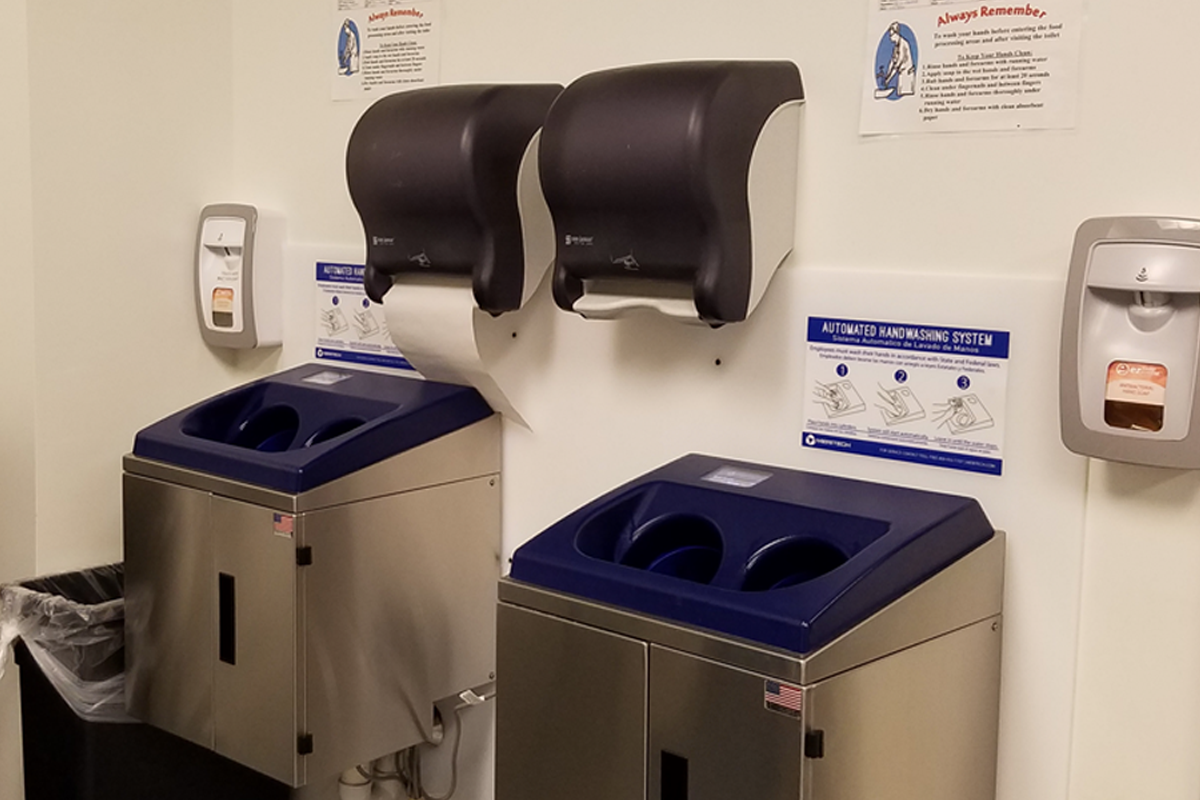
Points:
(443, 184)
(672, 186)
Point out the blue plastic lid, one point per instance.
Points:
(777, 556)
(309, 425)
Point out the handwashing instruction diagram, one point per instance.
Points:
(380, 46)
(349, 327)
(963, 414)
(839, 398)
(925, 394)
(899, 405)
(950, 65)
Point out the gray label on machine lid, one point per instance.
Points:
(736, 476)
(328, 377)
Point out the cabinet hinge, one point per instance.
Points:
(304, 556)
(304, 744)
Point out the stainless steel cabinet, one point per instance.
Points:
(921, 723)
(599, 702)
(170, 607)
(574, 723)
(301, 635)
(712, 736)
(256, 720)
(582, 708)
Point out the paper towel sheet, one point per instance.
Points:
(435, 326)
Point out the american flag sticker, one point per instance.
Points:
(783, 698)
(285, 525)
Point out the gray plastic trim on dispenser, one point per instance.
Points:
(646, 170)
(1133, 296)
(248, 335)
(433, 174)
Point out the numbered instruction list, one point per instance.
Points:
(938, 66)
(382, 46)
(350, 328)
(925, 394)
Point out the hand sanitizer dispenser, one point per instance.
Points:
(239, 269)
(1131, 329)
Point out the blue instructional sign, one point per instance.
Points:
(925, 394)
(349, 328)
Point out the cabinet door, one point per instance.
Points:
(920, 724)
(570, 710)
(713, 736)
(169, 601)
(400, 611)
(255, 715)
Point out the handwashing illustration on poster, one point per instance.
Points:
(942, 66)
(349, 328)
(380, 46)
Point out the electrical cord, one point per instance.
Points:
(458, 726)
(469, 698)
(407, 762)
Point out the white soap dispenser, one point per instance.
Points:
(239, 269)
(1130, 354)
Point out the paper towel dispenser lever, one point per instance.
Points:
(672, 187)
(446, 184)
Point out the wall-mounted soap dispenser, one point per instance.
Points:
(673, 187)
(445, 180)
(1131, 342)
(239, 272)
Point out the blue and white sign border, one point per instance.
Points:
(349, 329)
(917, 393)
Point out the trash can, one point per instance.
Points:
(67, 634)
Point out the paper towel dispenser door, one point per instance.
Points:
(672, 187)
(438, 180)
(1131, 342)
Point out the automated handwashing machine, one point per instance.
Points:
(310, 565)
(717, 629)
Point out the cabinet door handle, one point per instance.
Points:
(674, 774)
(814, 744)
(226, 618)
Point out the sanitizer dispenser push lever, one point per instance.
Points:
(1131, 342)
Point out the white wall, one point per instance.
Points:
(132, 134)
(1138, 704)
(139, 117)
(16, 323)
(1137, 737)
(16, 328)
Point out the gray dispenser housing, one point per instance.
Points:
(445, 182)
(310, 566)
(1130, 352)
(672, 187)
